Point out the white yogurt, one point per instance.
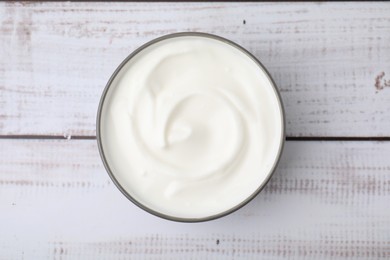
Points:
(191, 127)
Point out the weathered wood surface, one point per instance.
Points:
(331, 61)
(327, 200)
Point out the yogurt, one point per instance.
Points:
(190, 127)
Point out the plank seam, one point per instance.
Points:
(288, 138)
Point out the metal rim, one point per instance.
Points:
(156, 213)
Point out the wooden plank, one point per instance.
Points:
(331, 61)
(327, 200)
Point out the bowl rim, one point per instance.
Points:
(110, 172)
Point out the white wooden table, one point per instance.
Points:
(330, 196)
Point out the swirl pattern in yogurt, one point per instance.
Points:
(191, 127)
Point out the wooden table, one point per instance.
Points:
(330, 196)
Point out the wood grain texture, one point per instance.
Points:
(331, 61)
(327, 200)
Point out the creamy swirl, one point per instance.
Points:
(191, 127)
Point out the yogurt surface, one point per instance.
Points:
(191, 127)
